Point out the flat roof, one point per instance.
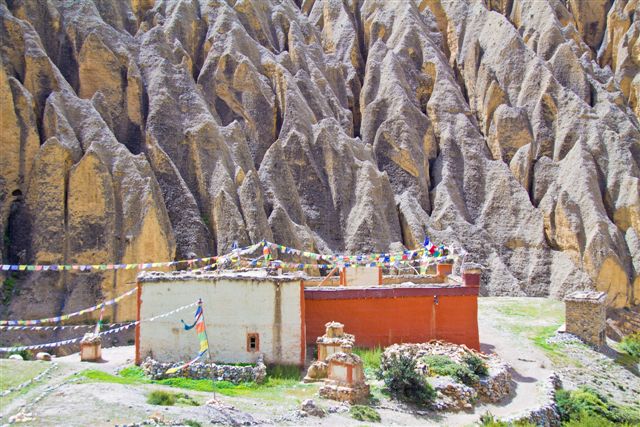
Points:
(258, 275)
(387, 291)
(586, 296)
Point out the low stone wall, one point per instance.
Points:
(545, 414)
(199, 371)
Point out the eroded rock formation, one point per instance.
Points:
(152, 130)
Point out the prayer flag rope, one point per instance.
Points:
(301, 266)
(100, 267)
(55, 328)
(429, 250)
(66, 316)
(78, 339)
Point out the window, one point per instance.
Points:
(253, 342)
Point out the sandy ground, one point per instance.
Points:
(60, 400)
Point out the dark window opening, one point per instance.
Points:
(253, 342)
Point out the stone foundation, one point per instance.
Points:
(357, 393)
(199, 371)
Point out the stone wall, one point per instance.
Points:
(216, 372)
(586, 316)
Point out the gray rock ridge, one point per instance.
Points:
(147, 131)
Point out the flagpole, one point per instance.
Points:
(208, 350)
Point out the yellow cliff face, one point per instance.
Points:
(148, 131)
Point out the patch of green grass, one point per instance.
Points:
(282, 383)
(132, 372)
(189, 384)
(371, 357)
(364, 413)
(631, 345)
(13, 373)
(542, 334)
(100, 376)
(532, 308)
(283, 372)
(191, 423)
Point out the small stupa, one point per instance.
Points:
(346, 379)
(328, 344)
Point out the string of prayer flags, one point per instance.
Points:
(100, 267)
(66, 316)
(55, 328)
(78, 339)
(202, 338)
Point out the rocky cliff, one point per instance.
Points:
(147, 130)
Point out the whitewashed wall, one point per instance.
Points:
(363, 276)
(233, 307)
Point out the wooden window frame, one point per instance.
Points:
(257, 342)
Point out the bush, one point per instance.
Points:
(163, 398)
(475, 364)
(631, 345)
(192, 423)
(444, 366)
(404, 383)
(589, 420)
(488, 420)
(364, 413)
(587, 406)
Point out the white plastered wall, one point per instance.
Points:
(363, 276)
(232, 309)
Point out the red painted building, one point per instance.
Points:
(383, 315)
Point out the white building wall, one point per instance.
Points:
(232, 309)
(363, 276)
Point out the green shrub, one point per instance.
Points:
(475, 364)
(585, 419)
(586, 405)
(25, 354)
(185, 399)
(163, 398)
(631, 345)
(404, 383)
(8, 287)
(445, 366)
(488, 420)
(364, 413)
(191, 423)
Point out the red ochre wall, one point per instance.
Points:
(382, 321)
